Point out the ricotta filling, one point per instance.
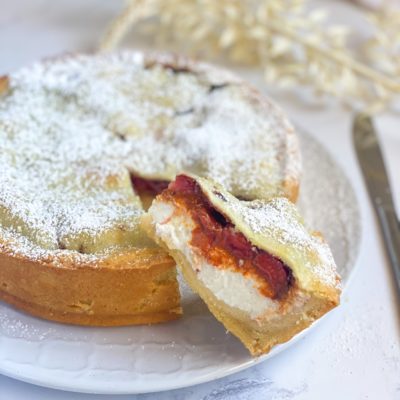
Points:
(231, 287)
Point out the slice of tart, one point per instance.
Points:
(259, 270)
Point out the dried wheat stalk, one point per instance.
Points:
(292, 45)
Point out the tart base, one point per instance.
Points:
(136, 287)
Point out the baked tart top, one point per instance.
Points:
(77, 130)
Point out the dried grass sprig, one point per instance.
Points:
(292, 45)
(383, 49)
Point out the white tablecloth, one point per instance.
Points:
(355, 352)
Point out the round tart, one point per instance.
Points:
(85, 141)
(259, 270)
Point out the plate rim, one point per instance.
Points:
(107, 389)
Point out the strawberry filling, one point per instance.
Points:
(222, 245)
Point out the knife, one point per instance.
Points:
(373, 168)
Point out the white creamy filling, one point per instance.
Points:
(231, 287)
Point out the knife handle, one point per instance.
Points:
(391, 234)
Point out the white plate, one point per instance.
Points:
(193, 350)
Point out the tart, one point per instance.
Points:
(258, 269)
(86, 141)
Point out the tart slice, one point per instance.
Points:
(259, 270)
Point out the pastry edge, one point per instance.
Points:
(56, 293)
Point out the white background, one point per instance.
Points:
(355, 352)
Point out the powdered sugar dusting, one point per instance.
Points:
(72, 130)
(279, 219)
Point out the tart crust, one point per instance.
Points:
(133, 287)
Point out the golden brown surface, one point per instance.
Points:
(136, 287)
(3, 84)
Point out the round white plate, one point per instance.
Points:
(193, 350)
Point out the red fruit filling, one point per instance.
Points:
(222, 245)
(147, 186)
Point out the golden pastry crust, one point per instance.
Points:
(132, 287)
(315, 288)
(4, 84)
(98, 119)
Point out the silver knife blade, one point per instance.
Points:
(375, 176)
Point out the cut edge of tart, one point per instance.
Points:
(258, 269)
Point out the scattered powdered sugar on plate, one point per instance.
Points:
(74, 128)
